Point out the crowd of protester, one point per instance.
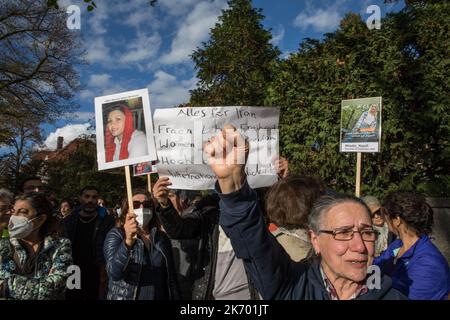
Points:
(298, 239)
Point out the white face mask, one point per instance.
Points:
(20, 227)
(143, 216)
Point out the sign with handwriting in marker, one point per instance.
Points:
(181, 133)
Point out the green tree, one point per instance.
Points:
(407, 63)
(235, 66)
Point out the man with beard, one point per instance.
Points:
(86, 228)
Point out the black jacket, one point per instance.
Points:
(103, 224)
(125, 268)
(275, 275)
(203, 224)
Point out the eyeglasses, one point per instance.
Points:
(347, 234)
(146, 204)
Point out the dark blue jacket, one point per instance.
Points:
(275, 275)
(140, 274)
(421, 273)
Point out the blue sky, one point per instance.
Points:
(131, 45)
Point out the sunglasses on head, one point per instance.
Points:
(146, 204)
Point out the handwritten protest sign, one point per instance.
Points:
(181, 133)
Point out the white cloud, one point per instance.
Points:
(97, 19)
(97, 51)
(99, 80)
(278, 35)
(166, 91)
(86, 94)
(99, 85)
(80, 116)
(69, 132)
(113, 88)
(286, 55)
(177, 7)
(121, 6)
(141, 48)
(321, 20)
(193, 31)
(137, 18)
(102, 82)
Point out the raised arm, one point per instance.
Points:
(275, 275)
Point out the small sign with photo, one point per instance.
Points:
(361, 125)
(144, 168)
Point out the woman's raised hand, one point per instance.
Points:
(228, 153)
(161, 191)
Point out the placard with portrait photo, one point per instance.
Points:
(361, 125)
(144, 168)
(124, 129)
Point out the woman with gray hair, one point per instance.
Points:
(340, 230)
(6, 201)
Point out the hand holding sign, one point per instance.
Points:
(228, 153)
(161, 191)
(131, 229)
(281, 164)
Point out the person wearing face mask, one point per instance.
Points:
(33, 262)
(138, 255)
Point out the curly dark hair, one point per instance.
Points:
(289, 201)
(412, 208)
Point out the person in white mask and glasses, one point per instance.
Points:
(138, 255)
(34, 263)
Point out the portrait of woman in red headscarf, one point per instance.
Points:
(122, 140)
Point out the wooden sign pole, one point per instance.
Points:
(358, 175)
(129, 189)
(149, 182)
